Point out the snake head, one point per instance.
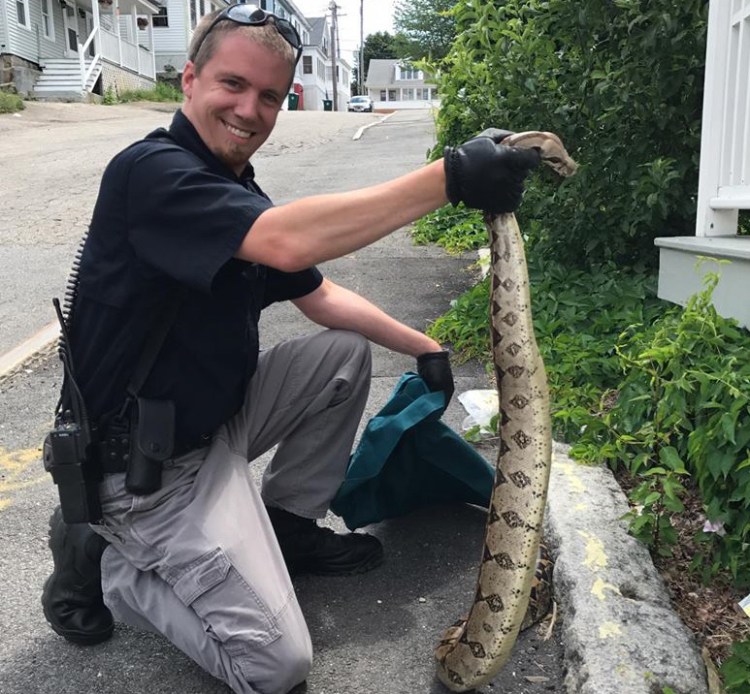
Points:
(550, 148)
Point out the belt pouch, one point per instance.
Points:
(151, 443)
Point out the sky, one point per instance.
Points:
(378, 16)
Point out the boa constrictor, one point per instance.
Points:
(474, 650)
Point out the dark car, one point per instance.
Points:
(360, 103)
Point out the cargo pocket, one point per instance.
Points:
(231, 611)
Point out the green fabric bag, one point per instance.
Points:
(407, 458)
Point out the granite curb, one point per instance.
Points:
(620, 632)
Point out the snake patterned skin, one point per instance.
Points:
(474, 650)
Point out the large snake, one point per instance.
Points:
(474, 650)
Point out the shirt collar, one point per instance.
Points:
(185, 134)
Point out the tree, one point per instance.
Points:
(427, 26)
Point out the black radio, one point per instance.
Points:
(66, 458)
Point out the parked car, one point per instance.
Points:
(360, 103)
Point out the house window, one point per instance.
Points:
(22, 13)
(161, 19)
(407, 94)
(48, 20)
(307, 65)
(393, 95)
(383, 95)
(409, 73)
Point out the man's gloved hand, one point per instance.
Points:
(486, 175)
(435, 370)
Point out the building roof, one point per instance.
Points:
(381, 72)
(317, 29)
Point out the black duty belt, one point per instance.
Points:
(113, 452)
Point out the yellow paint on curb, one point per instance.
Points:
(574, 480)
(595, 557)
(601, 586)
(609, 630)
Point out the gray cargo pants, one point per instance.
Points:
(198, 561)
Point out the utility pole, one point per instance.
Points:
(361, 71)
(334, 51)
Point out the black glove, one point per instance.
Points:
(435, 370)
(486, 175)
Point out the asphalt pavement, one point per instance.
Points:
(614, 630)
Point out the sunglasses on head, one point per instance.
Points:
(252, 15)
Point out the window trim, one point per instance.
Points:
(26, 14)
(47, 4)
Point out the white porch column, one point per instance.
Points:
(718, 99)
(116, 22)
(134, 18)
(96, 41)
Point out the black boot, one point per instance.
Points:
(308, 548)
(72, 598)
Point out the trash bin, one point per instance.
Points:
(327, 105)
(293, 101)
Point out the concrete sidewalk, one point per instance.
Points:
(615, 632)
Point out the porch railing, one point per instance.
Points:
(724, 182)
(82, 48)
(126, 54)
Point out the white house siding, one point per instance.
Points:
(23, 49)
(172, 42)
(23, 42)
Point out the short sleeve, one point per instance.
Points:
(286, 286)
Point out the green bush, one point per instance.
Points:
(578, 317)
(10, 103)
(683, 412)
(457, 229)
(621, 82)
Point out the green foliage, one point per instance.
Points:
(684, 409)
(162, 92)
(10, 103)
(636, 382)
(621, 83)
(465, 325)
(735, 670)
(428, 26)
(455, 229)
(578, 316)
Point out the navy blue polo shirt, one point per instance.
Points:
(170, 213)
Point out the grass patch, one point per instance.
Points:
(162, 92)
(10, 103)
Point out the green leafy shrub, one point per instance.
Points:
(457, 229)
(10, 103)
(735, 670)
(578, 69)
(578, 317)
(684, 410)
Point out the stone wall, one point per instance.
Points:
(17, 74)
(120, 80)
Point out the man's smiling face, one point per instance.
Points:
(234, 101)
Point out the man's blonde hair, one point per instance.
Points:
(266, 35)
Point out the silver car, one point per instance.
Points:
(360, 103)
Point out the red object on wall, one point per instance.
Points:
(299, 91)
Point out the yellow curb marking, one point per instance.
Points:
(600, 586)
(609, 630)
(574, 480)
(13, 467)
(595, 557)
